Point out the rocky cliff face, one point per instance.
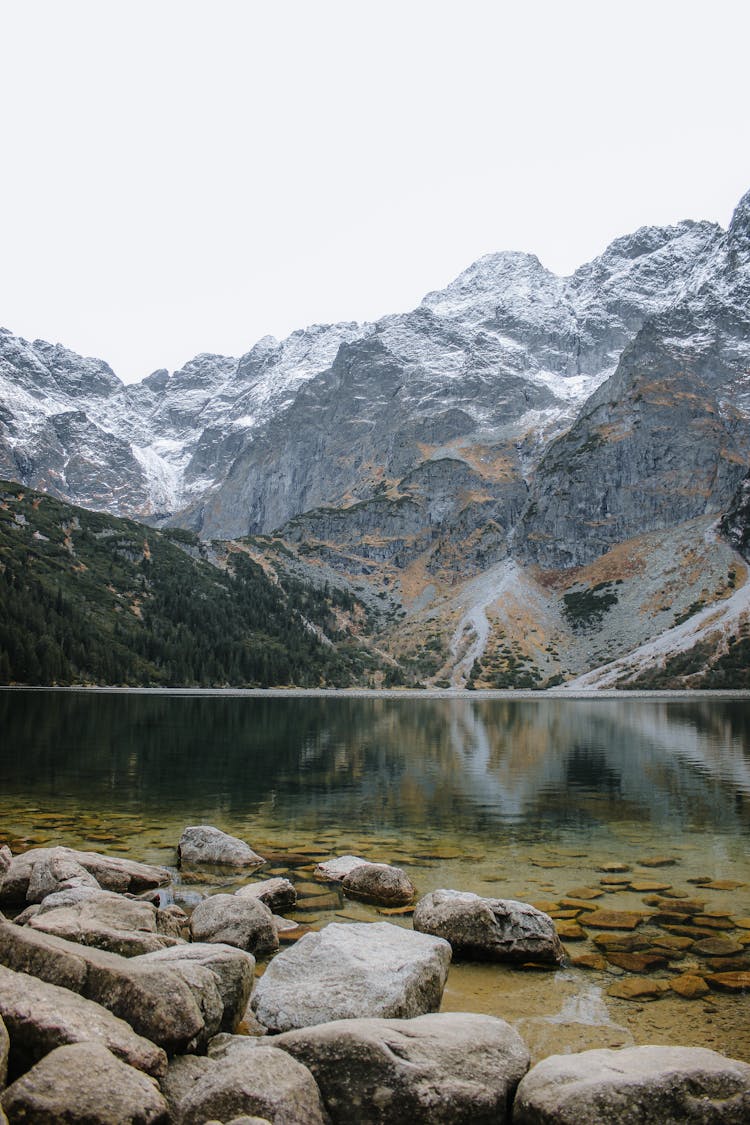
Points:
(515, 418)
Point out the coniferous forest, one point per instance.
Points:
(90, 598)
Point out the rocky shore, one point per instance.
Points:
(117, 1005)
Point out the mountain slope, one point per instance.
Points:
(86, 597)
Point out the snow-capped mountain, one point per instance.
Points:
(511, 431)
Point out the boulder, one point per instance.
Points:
(154, 999)
(57, 871)
(5, 859)
(202, 843)
(350, 971)
(276, 893)
(41, 1017)
(455, 1067)
(85, 1083)
(242, 922)
(234, 970)
(103, 920)
(489, 928)
(650, 1085)
(4, 1048)
(243, 1077)
(111, 873)
(379, 883)
(334, 870)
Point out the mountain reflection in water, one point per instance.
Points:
(386, 764)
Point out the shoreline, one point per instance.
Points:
(684, 696)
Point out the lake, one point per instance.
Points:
(509, 798)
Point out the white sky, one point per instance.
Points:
(179, 177)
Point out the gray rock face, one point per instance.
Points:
(154, 999)
(243, 922)
(105, 920)
(243, 1078)
(650, 1085)
(380, 883)
(447, 1069)
(276, 893)
(5, 859)
(489, 928)
(58, 871)
(42, 1016)
(352, 971)
(202, 843)
(233, 968)
(85, 1083)
(111, 873)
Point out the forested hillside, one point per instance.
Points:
(89, 598)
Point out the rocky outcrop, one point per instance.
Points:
(84, 1082)
(345, 971)
(40, 1017)
(110, 872)
(452, 1067)
(104, 920)
(651, 1085)
(202, 843)
(489, 928)
(242, 1077)
(154, 999)
(335, 870)
(243, 922)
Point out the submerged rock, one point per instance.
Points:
(650, 1085)
(202, 843)
(84, 1082)
(379, 883)
(244, 923)
(351, 971)
(454, 1067)
(489, 928)
(334, 870)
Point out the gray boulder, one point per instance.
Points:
(276, 893)
(242, 922)
(85, 1083)
(239, 1078)
(352, 971)
(233, 968)
(5, 859)
(105, 920)
(202, 843)
(57, 871)
(4, 1048)
(334, 870)
(41, 1017)
(110, 872)
(449, 1069)
(647, 1085)
(489, 928)
(380, 883)
(154, 999)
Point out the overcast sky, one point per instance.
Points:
(181, 177)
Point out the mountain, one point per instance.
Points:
(527, 473)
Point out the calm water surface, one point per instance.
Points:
(516, 799)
